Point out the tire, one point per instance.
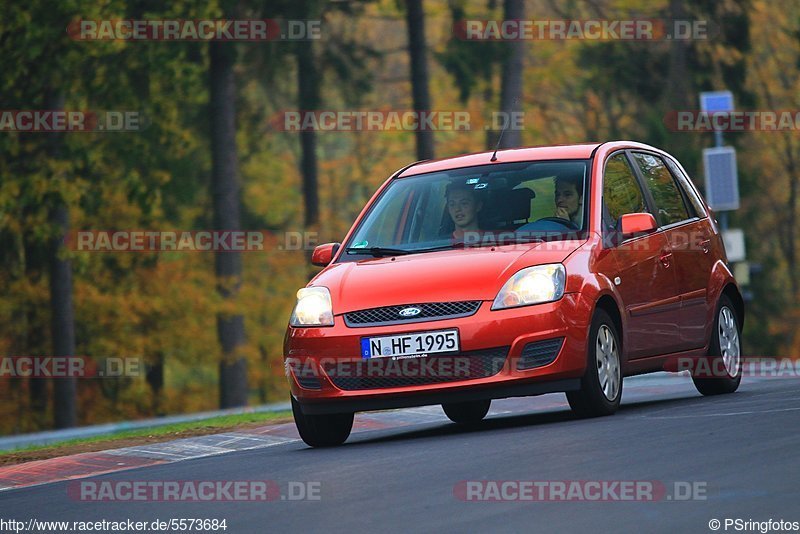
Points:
(327, 430)
(466, 413)
(601, 384)
(724, 353)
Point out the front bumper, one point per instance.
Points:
(319, 351)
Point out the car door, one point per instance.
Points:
(645, 276)
(695, 262)
(689, 239)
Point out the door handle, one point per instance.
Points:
(665, 258)
(705, 245)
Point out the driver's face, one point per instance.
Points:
(567, 198)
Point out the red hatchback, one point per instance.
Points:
(540, 270)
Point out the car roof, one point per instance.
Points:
(582, 151)
(510, 155)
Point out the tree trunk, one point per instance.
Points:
(415, 21)
(678, 89)
(791, 226)
(154, 376)
(679, 93)
(63, 321)
(225, 193)
(62, 324)
(513, 70)
(308, 87)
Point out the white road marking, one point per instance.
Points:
(748, 412)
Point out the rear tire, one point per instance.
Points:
(328, 430)
(724, 353)
(466, 413)
(601, 384)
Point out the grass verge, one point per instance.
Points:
(130, 438)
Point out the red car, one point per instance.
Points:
(523, 272)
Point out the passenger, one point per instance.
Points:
(463, 205)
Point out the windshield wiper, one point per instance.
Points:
(449, 246)
(378, 252)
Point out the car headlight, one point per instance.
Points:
(533, 285)
(313, 307)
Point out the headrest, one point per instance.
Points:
(507, 206)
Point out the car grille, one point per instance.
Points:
(376, 373)
(539, 353)
(432, 311)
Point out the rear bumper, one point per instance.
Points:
(315, 350)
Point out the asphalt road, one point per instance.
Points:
(741, 451)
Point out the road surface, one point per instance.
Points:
(738, 454)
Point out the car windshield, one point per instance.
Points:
(475, 206)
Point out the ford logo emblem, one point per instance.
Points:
(409, 312)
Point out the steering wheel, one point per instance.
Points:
(564, 222)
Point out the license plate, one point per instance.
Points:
(417, 344)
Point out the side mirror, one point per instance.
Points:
(636, 223)
(323, 254)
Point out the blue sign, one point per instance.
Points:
(716, 101)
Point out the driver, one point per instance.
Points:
(569, 199)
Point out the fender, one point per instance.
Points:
(720, 278)
(595, 283)
(604, 288)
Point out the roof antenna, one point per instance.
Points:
(499, 139)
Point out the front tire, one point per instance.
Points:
(328, 430)
(724, 353)
(466, 413)
(601, 384)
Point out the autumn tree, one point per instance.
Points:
(227, 206)
(774, 159)
(38, 75)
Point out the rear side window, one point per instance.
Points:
(670, 207)
(621, 191)
(695, 204)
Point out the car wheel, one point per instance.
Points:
(467, 412)
(328, 430)
(724, 353)
(601, 384)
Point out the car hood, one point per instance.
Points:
(444, 276)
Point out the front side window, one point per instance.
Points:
(484, 205)
(670, 207)
(621, 192)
